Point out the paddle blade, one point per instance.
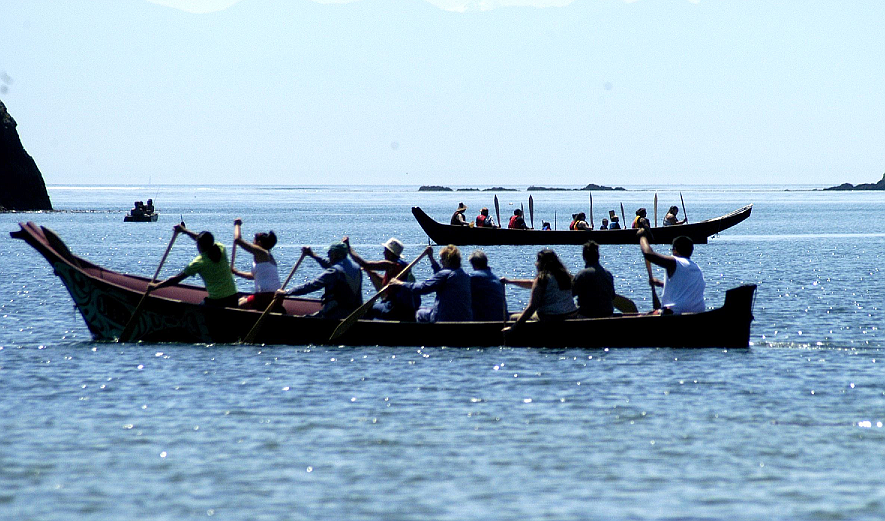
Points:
(624, 305)
(684, 215)
(656, 209)
(532, 211)
(497, 211)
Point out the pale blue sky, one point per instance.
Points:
(453, 92)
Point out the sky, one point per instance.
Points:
(447, 92)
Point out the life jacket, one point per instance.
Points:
(572, 225)
(513, 221)
(482, 220)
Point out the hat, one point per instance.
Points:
(394, 245)
(338, 247)
(461, 207)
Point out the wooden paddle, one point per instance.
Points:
(656, 209)
(655, 302)
(532, 211)
(233, 249)
(250, 336)
(623, 217)
(130, 326)
(591, 211)
(351, 319)
(684, 215)
(498, 212)
(624, 305)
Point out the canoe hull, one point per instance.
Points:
(699, 232)
(106, 300)
(149, 218)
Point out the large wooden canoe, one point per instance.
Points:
(461, 235)
(106, 300)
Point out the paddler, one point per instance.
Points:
(670, 219)
(342, 283)
(458, 218)
(398, 303)
(212, 266)
(640, 214)
(684, 285)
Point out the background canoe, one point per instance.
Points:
(462, 235)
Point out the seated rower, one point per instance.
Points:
(640, 214)
(212, 266)
(398, 303)
(684, 285)
(581, 221)
(264, 273)
(341, 283)
(551, 297)
(450, 283)
(484, 220)
(604, 225)
(670, 219)
(517, 222)
(545, 226)
(458, 218)
(149, 207)
(486, 290)
(615, 223)
(594, 286)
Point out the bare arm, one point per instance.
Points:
(171, 281)
(521, 283)
(665, 261)
(538, 288)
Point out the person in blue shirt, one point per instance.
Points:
(342, 283)
(450, 283)
(486, 290)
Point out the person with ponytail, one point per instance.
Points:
(212, 266)
(264, 268)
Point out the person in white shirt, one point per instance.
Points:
(684, 285)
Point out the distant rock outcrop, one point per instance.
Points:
(591, 186)
(426, 188)
(863, 186)
(21, 184)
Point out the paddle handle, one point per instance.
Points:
(591, 211)
(655, 302)
(130, 326)
(351, 319)
(250, 336)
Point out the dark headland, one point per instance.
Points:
(21, 183)
(863, 186)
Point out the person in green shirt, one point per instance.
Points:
(212, 266)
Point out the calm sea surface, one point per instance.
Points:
(791, 428)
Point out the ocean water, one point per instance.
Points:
(791, 428)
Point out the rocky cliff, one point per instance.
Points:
(21, 184)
